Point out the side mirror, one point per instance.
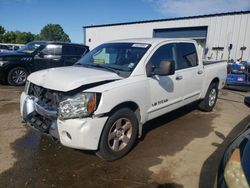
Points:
(167, 67)
(40, 54)
(247, 101)
(149, 69)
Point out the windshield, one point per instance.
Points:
(29, 48)
(116, 56)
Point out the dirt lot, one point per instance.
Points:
(179, 149)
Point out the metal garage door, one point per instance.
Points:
(183, 32)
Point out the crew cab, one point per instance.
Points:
(17, 65)
(102, 102)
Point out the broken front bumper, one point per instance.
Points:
(38, 117)
(82, 133)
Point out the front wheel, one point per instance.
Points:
(17, 76)
(119, 135)
(208, 103)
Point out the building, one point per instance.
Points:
(215, 33)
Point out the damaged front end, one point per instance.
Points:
(40, 109)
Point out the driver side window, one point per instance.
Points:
(164, 53)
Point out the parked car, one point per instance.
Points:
(16, 66)
(4, 48)
(103, 101)
(9, 47)
(234, 170)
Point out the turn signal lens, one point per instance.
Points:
(92, 104)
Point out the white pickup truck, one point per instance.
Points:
(102, 102)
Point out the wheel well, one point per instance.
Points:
(14, 66)
(216, 81)
(131, 105)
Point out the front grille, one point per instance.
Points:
(47, 98)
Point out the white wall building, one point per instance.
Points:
(214, 33)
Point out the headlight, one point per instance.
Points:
(81, 105)
(234, 174)
(2, 63)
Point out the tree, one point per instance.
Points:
(17, 37)
(2, 30)
(24, 37)
(9, 37)
(53, 32)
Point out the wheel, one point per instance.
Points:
(208, 103)
(17, 76)
(119, 135)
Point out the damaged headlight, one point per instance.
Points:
(81, 105)
(234, 174)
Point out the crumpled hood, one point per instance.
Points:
(69, 78)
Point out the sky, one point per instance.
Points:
(72, 15)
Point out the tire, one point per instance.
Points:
(208, 103)
(119, 135)
(17, 76)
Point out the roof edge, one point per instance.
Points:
(169, 19)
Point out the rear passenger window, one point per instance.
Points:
(187, 56)
(74, 51)
(52, 50)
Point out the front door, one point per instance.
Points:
(166, 92)
(48, 57)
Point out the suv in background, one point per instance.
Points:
(16, 66)
(4, 48)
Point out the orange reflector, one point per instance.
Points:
(92, 104)
(235, 155)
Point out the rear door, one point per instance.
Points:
(189, 71)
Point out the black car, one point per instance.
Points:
(234, 170)
(4, 48)
(38, 55)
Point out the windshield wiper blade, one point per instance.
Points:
(102, 66)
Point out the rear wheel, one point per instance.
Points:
(119, 135)
(17, 76)
(208, 103)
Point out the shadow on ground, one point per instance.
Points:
(43, 163)
(210, 166)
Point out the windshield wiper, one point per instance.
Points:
(101, 66)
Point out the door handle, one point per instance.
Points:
(200, 71)
(179, 77)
